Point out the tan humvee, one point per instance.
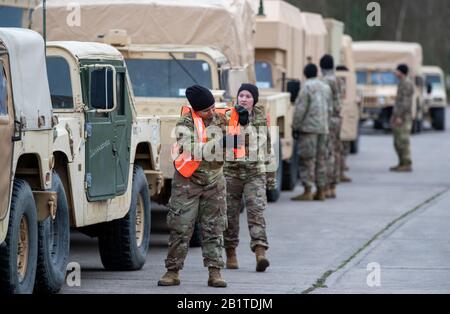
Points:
(376, 63)
(435, 95)
(26, 138)
(225, 52)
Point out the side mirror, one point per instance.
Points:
(293, 87)
(102, 88)
(429, 88)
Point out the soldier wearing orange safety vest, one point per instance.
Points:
(198, 187)
(247, 178)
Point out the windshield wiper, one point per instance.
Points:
(183, 68)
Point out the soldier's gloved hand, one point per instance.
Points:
(296, 135)
(243, 115)
(271, 180)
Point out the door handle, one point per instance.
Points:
(17, 131)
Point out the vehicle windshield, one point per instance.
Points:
(11, 17)
(434, 80)
(59, 81)
(264, 77)
(383, 78)
(361, 77)
(167, 78)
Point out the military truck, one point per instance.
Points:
(90, 165)
(16, 13)
(351, 100)
(315, 37)
(435, 96)
(376, 62)
(339, 46)
(168, 55)
(279, 61)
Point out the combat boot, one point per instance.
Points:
(232, 262)
(331, 192)
(345, 179)
(404, 168)
(306, 196)
(170, 278)
(261, 261)
(395, 168)
(215, 279)
(320, 195)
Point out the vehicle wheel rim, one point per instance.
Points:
(140, 221)
(23, 249)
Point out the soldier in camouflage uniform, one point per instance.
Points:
(401, 120)
(246, 180)
(201, 196)
(310, 127)
(335, 123)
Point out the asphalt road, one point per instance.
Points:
(386, 233)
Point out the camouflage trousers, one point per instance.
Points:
(312, 152)
(189, 203)
(334, 153)
(252, 192)
(402, 134)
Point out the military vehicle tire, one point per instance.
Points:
(53, 244)
(290, 170)
(196, 239)
(274, 195)
(438, 118)
(18, 257)
(124, 242)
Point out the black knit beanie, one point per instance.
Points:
(199, 97)
(403, 68)
(310, 71)
(252, 89)
(327, 62)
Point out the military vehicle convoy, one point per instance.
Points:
(376, 62)
(78, 156)
(171, 53)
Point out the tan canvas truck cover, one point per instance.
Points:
(315, 37)
(226, 25)
(281, 29)
(387, 55)
(350, 108)
(335, 32)
(347, 56)
(32, 103)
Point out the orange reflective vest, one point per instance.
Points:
(184, 163)
(234, 129)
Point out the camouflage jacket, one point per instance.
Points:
(404, 100)
(311, 108)
(212, 158)
(330, 79)
(258, 148)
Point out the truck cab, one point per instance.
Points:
(435, 96)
